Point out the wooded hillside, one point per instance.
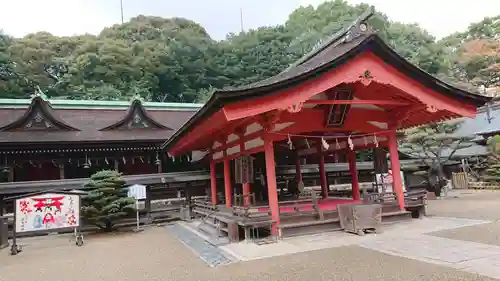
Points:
(176, 60)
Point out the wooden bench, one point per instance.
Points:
(310, 200)
(415, 202)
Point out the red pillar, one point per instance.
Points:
(298, 170)
(213, 183)
(227, 184)
(396, 170)
(354, 174)
(271, 183)
(322, 172)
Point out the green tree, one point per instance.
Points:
(435, 145)
(106, 200)
(493, 160)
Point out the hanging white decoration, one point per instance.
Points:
(106, 160)
(375, 140)
(307, 144)
(365, 140)
(349, 141)
(142, 159)
(337, 145)
(124, 160)
(289, 142)
(325, 144)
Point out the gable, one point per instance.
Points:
(38, 117)
(136, 118)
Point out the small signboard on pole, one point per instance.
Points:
(137, 191)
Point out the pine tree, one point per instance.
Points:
(106, 200)
(493, 162)
(435, 144)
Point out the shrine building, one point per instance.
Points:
(351, 93)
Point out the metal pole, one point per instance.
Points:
(121, 9)
(241, 19)
(137, 212)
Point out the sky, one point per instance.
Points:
(219, 17)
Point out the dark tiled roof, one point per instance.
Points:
(87, 124)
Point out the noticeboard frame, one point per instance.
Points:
(15, 249)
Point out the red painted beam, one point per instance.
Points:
(349, 73)
(373, 102)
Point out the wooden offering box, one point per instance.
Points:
(358, 218)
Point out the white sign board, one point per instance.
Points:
(385, 180)
(49, 211)
(137, 191)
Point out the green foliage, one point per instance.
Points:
(175, 60)
(434, 145)
(493, 160)
(106, 200)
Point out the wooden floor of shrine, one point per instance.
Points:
(295, 219)
(329, 204)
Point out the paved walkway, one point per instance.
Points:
(468, 256)
(211, 255)
(407, 240)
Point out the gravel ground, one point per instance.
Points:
(471, 204)
(484, 233)
(156, 255)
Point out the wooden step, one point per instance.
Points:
(307, 223)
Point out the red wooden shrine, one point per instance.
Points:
(352, 93)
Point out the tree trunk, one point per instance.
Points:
(108, 226)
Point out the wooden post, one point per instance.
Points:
(245, 188)
(271, 183)
(2, 206)
(354, 174)
(397, 181)
(213, 183)
(380, 160)
(298, 169)
(322, 172)
(227, 183)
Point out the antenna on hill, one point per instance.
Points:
(241, 20)
(121, 9)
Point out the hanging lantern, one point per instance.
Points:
(157, 160)
(86, 165)
(349, 141)
(325, 144)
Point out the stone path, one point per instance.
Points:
(210, 254)
(468, 256)
(407, 239)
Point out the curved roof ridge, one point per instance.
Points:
(137, 115)
(40, 115)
